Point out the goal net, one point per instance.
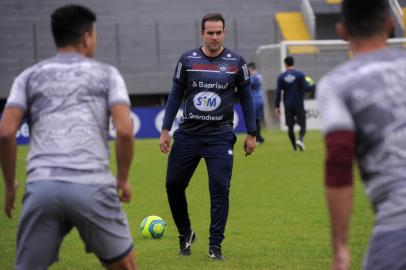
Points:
(314, 57)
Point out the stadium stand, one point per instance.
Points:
(143, 38)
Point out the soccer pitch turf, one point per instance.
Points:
(277, 218)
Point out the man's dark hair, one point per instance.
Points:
(69, 23)
(364, 18)
(252, 65)
(215, 17)
(289, 61)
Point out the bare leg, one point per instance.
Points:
(126, 263)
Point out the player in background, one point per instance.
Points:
(206, 77)
(293, 84)
(68, 100)
(362, 104)
(258, 97)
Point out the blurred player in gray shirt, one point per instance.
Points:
(67, 100)
(363, 107)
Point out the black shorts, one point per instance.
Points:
(295, 115)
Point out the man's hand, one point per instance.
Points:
(9, 124)
(10, 196)
(124, 190)
(124, 149)
(341, 259)
(278, 111)
(249, 144)
(165, 141)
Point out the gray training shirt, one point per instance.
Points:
(367, 95)
(67, 100)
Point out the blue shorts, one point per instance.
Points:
(52, 208)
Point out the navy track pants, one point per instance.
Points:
(186, 152)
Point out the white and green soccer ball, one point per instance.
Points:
(153, 227)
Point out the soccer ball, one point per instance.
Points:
(153, 227)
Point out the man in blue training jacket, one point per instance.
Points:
(258, 98)
(206, 77)
(293, 84)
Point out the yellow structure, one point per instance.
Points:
(293, 27)
(334, 1)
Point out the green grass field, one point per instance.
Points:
(277, 219)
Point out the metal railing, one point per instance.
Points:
(398, 13)
(309, 17)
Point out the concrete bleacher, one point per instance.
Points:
(293, 27)
(327, 15)
(143, 38)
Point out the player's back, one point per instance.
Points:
(368, 95)
(292, 83)
(67, 100)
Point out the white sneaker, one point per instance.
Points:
(300, 145)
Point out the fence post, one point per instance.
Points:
(34, 42)
(117, 37)
(197, 33)
(158, 48)
(235, 34)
